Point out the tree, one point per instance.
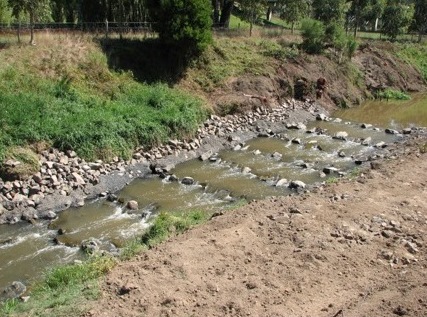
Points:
(356, 10)
(292, 11)
(37, 10)
(222, 12)
(420, 17)
(329, 11)
(396, 18)
(313, 35)
(252, 10)
(183, 23)
(5, 12)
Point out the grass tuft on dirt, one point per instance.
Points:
(64, 290)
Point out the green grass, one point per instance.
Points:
(167, 224)
(64, 291)
(391, 94)
(415, 54)
(77, 102)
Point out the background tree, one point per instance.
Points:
(420, 18)
(5, 12)
(373, 12)
(184, 23)
(293, 11)
(356, 11)
(329, 11)
(222, 12)
(313, 35)
(252, 11)
(37, 10)
(397, 18)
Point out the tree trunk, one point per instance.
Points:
(19, 32)
(269, 13)
(226, 13)
(216, 12)
(292, 27)
(32, 28)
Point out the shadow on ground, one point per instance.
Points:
(149, 60)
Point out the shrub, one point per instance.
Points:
(313, 34)
(186, 24)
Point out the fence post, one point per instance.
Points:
(106, 28)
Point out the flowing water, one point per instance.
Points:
(250, 173)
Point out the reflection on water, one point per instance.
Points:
(393, 114)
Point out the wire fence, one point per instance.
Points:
(104, 28)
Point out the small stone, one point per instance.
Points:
(387, 233)
(341, 135)
(132, 205)
(411, 247)
(282, 182)
(297, 184)
(187, 181)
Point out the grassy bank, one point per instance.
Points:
(62, 93)
(415, 54)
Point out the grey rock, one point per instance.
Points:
(407, 131)
(366, 125)
(282, 182)
(297, 184)
(341, 135)
(330, 170)
(276, 155)
(391, 131)
(321, 117)
(411, 247)
(205, 156)
(187, 181)
(91, 245)
(132, 205)
(15, 290)
(366, 141)
(296, 141)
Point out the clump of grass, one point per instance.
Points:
(64, 290)
(167, 224)
(391, 94)
(415, 54)
(27, 166)
(423, 148)
(332, 180)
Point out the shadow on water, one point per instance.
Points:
(149, 60)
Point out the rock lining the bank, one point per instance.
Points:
(65, 180)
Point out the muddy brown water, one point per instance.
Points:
(26, 251)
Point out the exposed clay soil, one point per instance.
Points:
(355, 248)
(375, 65)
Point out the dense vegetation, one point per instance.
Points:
(70, 101)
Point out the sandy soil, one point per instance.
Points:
(355, 248)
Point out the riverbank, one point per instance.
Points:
(49, 175)
(353, 248)
(46, 194)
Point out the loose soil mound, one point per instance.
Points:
(356, 248)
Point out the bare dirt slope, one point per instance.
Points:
(356, 248)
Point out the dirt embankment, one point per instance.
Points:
(374, 66)
(355, 248)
